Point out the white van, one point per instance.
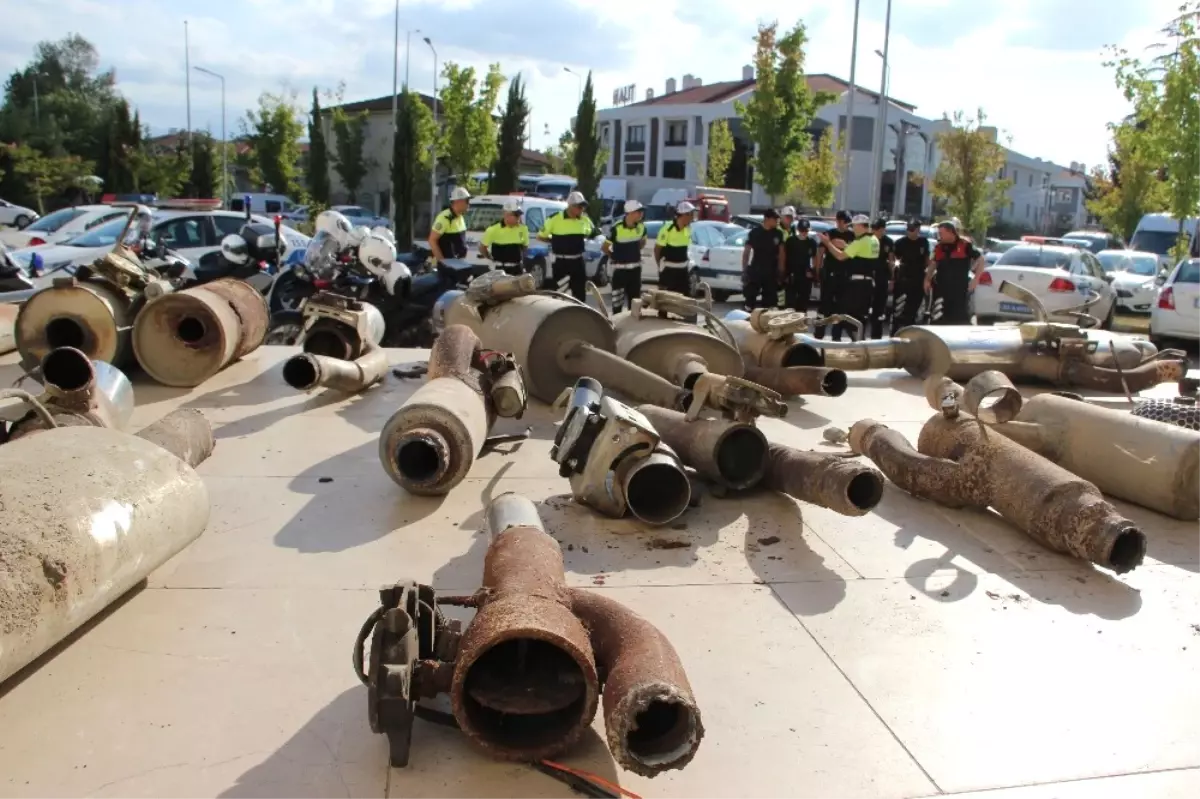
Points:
(263, 204)
(1157, 233)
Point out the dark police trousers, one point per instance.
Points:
(798, 289)
(909, 295)
(857, 299)
(951, 305)
(626, 286)
(569, 272)
(831, 289)
(760, 288)
(879, 301)
(673, 277)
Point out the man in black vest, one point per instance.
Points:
(952, 274)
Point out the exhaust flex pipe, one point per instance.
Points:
(962, 463)
(556, 340)
(430, 444)
(825, 479)
(87, 514)
(79, 392)
(89, 315)
(729, 453)
(185, 337)
(616, 461)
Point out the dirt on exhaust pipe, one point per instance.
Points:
(832, 481)
(793, 381)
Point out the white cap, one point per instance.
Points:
(632, 205)
(788, 210)
(575, 198)
(860, 219)
(684, 207)
(459, 193)
(512, 206)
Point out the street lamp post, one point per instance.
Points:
(881, 116)
(578, 79)
(433, 147)
(850, 112)
(224, 145)
(408, 51)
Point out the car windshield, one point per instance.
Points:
(481, 216)
(1189, 272)
(1003, 246)
(1036, 258)
(51, 223)
(1158, 242)
(1144, 265)
(103, 236)
(1114, 261)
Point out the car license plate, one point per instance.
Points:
(1014, 307)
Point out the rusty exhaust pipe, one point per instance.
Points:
(829, 480)
(87, 514)
(960, 462)
(729, 453)
(79, 392)
(430, 444)
(525, 684)
(184, 338)
(651, 718)
(792, 381)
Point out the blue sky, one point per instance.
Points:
(1034, 66)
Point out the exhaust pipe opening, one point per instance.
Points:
(658, 493)
(64, 332)
(190, 330)
(741, 456)
(834, 383)
(525, 693)
(327, 343)
(803, 355)
(300, 372)
(865, 490)
(663, 730)
(67, 369)
(1128, 551)
(421, 458)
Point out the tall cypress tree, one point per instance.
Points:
(405, 167)
(511, 140)
(318, 156)
(588, 162)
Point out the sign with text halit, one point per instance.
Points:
(624, 95)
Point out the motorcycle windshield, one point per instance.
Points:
(321, 253)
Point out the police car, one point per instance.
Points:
(488, 209)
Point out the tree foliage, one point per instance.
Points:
(588, 157)
(562, 155)
(468, 136)
(47, 176)
(782, 108)
(820, 171)
(511, 142)
(1130, 187)
(273, 132)
(720, 153)
(318, 155)
(966, 174)
(411, 160)
(350, 139)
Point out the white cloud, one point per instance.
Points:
(1034, 67)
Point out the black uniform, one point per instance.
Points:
(913, 256)
(799, 250)
(761, 281)
(952, 281)
(883, 277)
(832, 285)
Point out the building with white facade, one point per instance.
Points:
(661, 141)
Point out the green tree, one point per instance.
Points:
(562, 155)
(318, 155)
(820, 171)
(588, 157)
(1130, 187)
(411, 161)
(966, 175)
(720, 153)
(204, 174)
(511, 142)
(468, 136)
(47, 176)
(782, 108)
(349, 140)
(273, 132)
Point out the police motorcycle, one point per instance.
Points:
(254, 254)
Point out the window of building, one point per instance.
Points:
(1064, 196)
(677, 133)
(1031, 180)
(698, 126)
(1026, 210)
(1014, 178)
(1002, 173)
(1012, 208)
(864, 133)
(675, 169)
(635, 134)
(635, 170)
(604, 134)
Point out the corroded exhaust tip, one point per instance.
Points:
(732, 454)
(657, 490)
(793, 381)
(803, 355)
(422, 458)
(67, 374)
(831, 481)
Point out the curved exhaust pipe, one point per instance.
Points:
(731, 454)
(306, 372)
(78, 391)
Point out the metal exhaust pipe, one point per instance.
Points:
(825, 479)
(580, 359)
(91, 316)
(68, 559)
(306, 372)
(657, 489)
(731, 454)
(78, 391)
(959, 463)
(791, 381)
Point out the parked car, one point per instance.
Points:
(1061, 277)
(63, 224)
(1098, 240)
(1134, 278)
(16, 216)
(264, 204)
(747, 221)
(361, 216)
(1177, 312)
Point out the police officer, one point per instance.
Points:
(671, 251)
(884, 271)
(763, 263)
(506, 241)
(568, 232)
(952, 275)
(624, 250)
(448, 239)
(831, 272)
(802, 259)
(912, 256)
(857, 262)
